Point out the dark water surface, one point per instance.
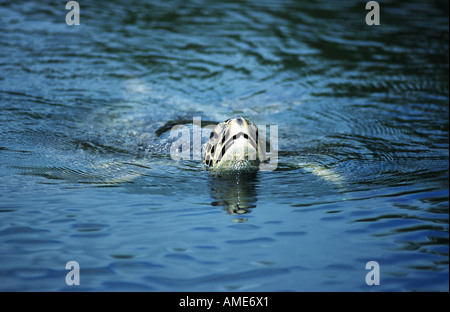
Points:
(86, 174)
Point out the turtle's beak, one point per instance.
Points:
(239, 148)
(233, 145)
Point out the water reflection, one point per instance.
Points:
(235, 193)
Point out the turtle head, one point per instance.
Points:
(233, 145)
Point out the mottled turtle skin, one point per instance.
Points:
(233, 145)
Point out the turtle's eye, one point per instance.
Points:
(211, 135)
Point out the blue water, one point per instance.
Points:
(86, 173)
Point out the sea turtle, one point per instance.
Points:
(234, 145)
